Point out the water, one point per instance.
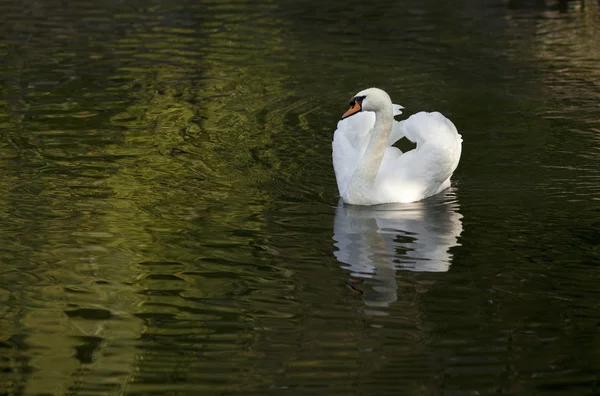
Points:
(170, 219)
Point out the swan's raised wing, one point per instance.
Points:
(349, 143)
(421, 172)
(397, 132)
(425, 127)
(397, 109)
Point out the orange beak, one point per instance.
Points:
(353, 110)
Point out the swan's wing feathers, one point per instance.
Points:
(345, 158)
(355, 128)
(349, 143)
(422, 171)
(397, 132)
(433, 128)
(397, 109)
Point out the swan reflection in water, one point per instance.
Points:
(374, 242)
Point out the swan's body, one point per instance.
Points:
(370, 171)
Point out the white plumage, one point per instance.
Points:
(370, 171)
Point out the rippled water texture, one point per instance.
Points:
(170, 219)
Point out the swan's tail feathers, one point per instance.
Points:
(397, 109)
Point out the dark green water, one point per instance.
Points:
(170, 220)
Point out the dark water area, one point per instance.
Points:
(170, 218)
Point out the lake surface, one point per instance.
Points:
(170, 218)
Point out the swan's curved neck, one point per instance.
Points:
(364, 176)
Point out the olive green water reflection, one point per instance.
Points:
(170, 223)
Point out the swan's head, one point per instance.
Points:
(371, 99)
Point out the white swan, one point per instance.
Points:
(369, 171)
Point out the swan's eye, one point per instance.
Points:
(355, 106)
(357, 99)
